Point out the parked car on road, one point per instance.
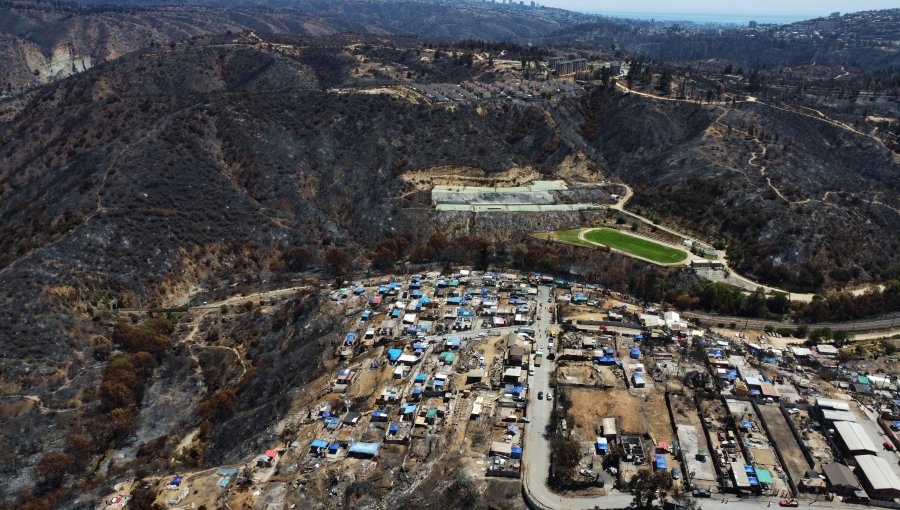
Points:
(540, 395)
(702, 493)
(791, 502)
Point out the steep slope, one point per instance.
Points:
(42, 43)
(798, 202)
(175, 169)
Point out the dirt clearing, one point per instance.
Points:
(636, 414)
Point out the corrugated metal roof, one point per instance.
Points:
(878, 472)
(831, 415)
(830, 403)
(855, 437)
(840, 475)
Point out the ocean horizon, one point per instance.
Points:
(709, 18)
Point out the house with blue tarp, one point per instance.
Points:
(394, 354)
(350, 338)
(318, 446)
(366, 315)
(635, 353)
(416, 294)
(359, 291)
(602, 445)
(408, 409)
(455, 300)
(660, 463)
(516, 452)
(415, 285)
(453, 343)
(418, 347)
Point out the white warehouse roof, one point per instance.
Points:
(855, 437)
(878, 472)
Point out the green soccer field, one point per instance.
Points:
(571, 237)
(636, 246)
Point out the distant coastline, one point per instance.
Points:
(708, 18)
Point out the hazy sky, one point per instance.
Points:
(817, 7)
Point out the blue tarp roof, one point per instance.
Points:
(176, 481)
(318, 443)
(350, 338)
(393, 427)
(638, 337)
(364, 448)
(334, 447)
(416, 293)
(359, 290)
(660, 462)
(749, 469)
(420, 377)
(753, 480)
(746, 425)
(366, 314)
(409, 408)
(394, 354)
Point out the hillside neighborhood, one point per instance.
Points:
(483, 364)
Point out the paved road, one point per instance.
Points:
(537, 447)
(886, 322)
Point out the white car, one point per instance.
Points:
(549, 395)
